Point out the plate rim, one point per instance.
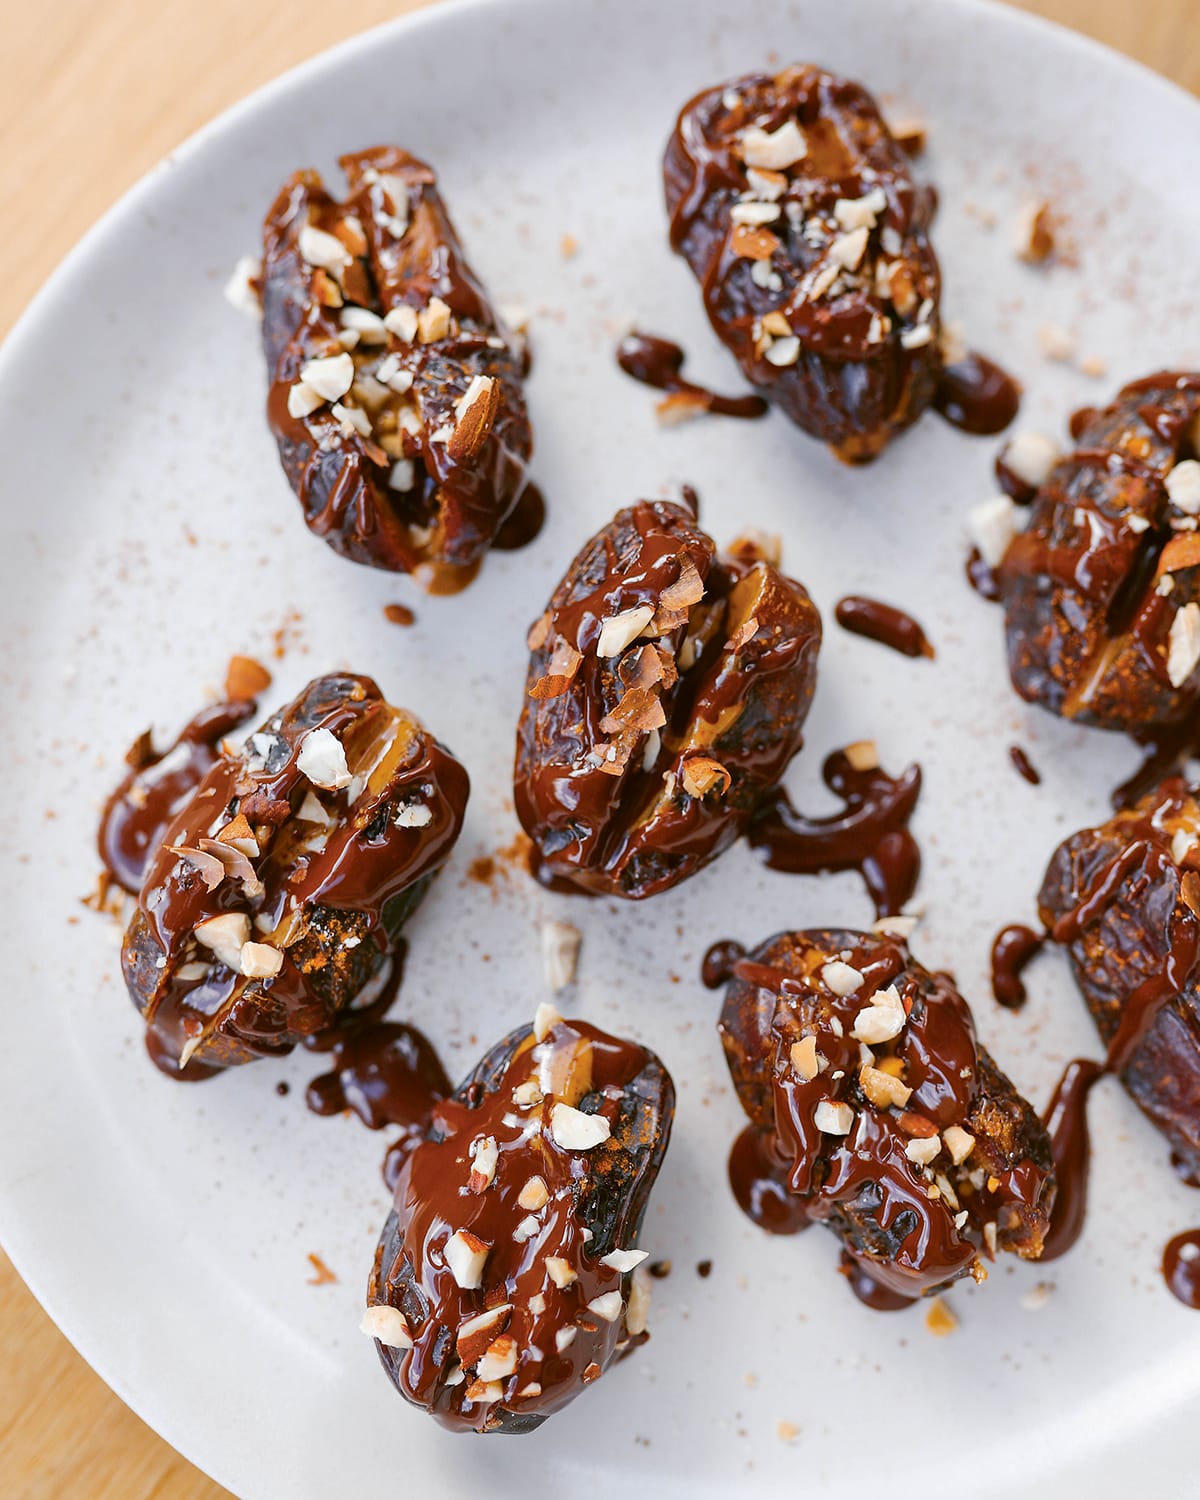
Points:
(116, 219)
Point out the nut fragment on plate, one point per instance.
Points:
(666, 692)
(1100, 588)
(829, 299)
(279, 881)
(1124, 899)
(1033, 233)
(911, 1146)
(397, 393)
(514, 1298)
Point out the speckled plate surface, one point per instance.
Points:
(148, 533)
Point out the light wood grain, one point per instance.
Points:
(102, 91)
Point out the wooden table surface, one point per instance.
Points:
(102, 91)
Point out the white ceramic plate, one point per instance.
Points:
(148, 533)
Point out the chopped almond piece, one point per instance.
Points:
(939, 1319)
(245, 678)
(701, 775)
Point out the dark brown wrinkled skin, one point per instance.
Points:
(1087, 635)
(850, 393)
(1008, 1132)
(634, 834)
(610, 1199)
(350, 900)
(1128, 944)
(442, 526)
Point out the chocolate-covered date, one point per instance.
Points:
(1125, 900)
(862, 1072)
(396, 394)
(280, 886)
(507, 1277)
(1101, 590)
(797, 213)
(666, 693)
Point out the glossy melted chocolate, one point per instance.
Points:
(1181, 1267)
(1013, 948)
(545, 1213)
(1070, 1145)
(866, 362)
(975, 395)
(883, 623)
(1024, 766)
(658, 362)
(717, 686)
(422, 488)
(871, 835)
(759, 1175)
(323, 877)
(911, 1226)
(137, 813)
(387, 1072)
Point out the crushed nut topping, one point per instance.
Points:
(484, 1155)
(841, 978)
(805, 1058)
(321, 249)
(1183, 644)
(1183, 486)
(322, 759)
(833, 1117)
(776, 150)
(225, 936)
(560, 955)
(388, 1325)
(1031, 456)
(466, 1255)
(619, 631)
(993, 524)
(575, 1131)
(882, 1020)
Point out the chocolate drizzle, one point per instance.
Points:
(870, 835)
(975, 395)
(759, 1176)
(1181, 1267)
(658, 362)
(1025, 767)
(793, 1045)
(323, 878)
(1012, 950)
(524, 522)
(497, 1172)
(637, 766)
(1066, 1120)
(1167, 748)
(883, 623)
(717, 967)
(870, 1292)
(386, 1072)
(158, 783)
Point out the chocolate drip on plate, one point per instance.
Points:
(871, 835)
